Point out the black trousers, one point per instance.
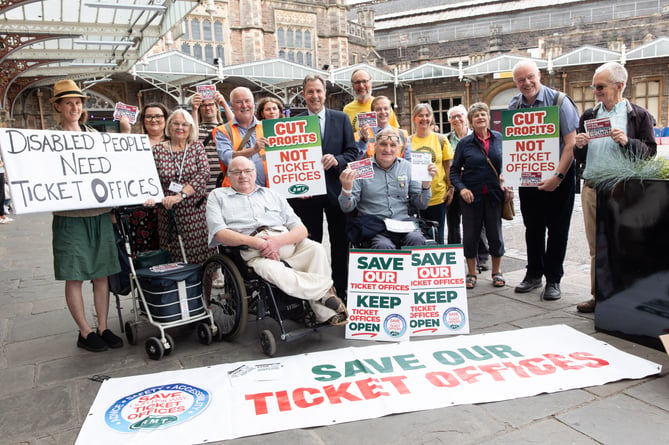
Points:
(547, 212)
(310, 211)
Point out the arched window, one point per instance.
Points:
(300, 58)
(220, 53)
(206, 30)
(197, 51)
(307, 39)
(298, 39)
(309, 61)
(291, 57)
(282, 54)
(289, 38)
(184, 28)
(218, 32)
(195, 30)
(280, 38)
(209, 54)
(185, 48)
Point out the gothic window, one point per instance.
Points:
(281, 41)
(300, 58)
(206, 30)
(197, 51)
(298, 39)
(220, 53)
(185, 48)
(218, 32)
(289, 37)
(307, 39)
(309, 61)
(195, 30)
(208, 54)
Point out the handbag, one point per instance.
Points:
(508, 211)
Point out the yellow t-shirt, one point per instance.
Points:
(440, 155)
(355, 107)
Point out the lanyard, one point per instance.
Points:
(180, 169)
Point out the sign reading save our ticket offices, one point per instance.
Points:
(531, 145)
(67, 170)
(293, 154)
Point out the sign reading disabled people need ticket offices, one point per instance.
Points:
(531, 145)
(68, 170)
(438, 292)
(293, 154)
(378, 294)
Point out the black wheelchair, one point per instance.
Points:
(233, 291)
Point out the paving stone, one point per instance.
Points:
(620, 419)
(541, 433)
(16, 379)
(492, 309)
(653, 391)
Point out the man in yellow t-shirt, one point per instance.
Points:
(362, 85)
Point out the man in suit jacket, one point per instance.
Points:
(338, 150)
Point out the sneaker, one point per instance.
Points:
(338, 319)
(5, 219)
(112, 340)
(93, 342)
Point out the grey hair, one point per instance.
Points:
(617, 72)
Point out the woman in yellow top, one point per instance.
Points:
(426, 140)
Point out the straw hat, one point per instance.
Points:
(66, 88)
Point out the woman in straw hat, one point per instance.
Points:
(83, 240)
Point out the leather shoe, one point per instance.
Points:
(551, 292)
(528, 284)
(586, 307)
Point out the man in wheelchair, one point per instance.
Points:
(279, 251)
(383, 201)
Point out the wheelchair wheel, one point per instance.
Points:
(225, 293)
(268, 343)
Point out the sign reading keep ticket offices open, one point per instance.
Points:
(67, 170)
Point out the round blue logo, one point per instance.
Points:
(156, 407)
(395, 325)
(454, 319)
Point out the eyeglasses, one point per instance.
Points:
(382, 138)
(246, 171)
(154, 117)
(211, 104)
(360, 82)
(599, 87)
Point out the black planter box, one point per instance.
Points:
(632, 262)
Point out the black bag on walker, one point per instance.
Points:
(172, 291)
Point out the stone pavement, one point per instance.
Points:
(46, 388)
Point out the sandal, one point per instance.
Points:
(498, 280)
(471, 281)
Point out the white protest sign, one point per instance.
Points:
(378, 294)
(531, 145)
(420, 161)
(65, 170)
(438, 292)
(293, 155)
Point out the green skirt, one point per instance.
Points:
(84, 248)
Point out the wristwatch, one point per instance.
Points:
(183, 195)
(559, 175)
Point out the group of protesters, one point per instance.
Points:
(213, 173)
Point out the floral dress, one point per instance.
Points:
(191, 212)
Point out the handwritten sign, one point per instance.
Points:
(66, 170)
(294, 154)
(531, 145)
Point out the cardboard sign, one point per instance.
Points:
(419, 163)
(65, 170)
(531, 145)
(378, 294)
(363, 168)
(294, 156)
(438, 291)
(598, 128)
(130, 111)
(206, 91)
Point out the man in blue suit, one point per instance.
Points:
(338, 150)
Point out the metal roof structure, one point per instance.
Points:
(43, 40)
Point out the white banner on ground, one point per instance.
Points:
(225, 401)
(66, 170)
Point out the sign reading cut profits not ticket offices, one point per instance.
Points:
(531, 145)
(220, 402)
(438, 291)
(67, 170)
(378, 294)
(294, 154)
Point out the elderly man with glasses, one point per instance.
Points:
(387, 195)
(246, 214)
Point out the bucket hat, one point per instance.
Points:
(66, 88)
